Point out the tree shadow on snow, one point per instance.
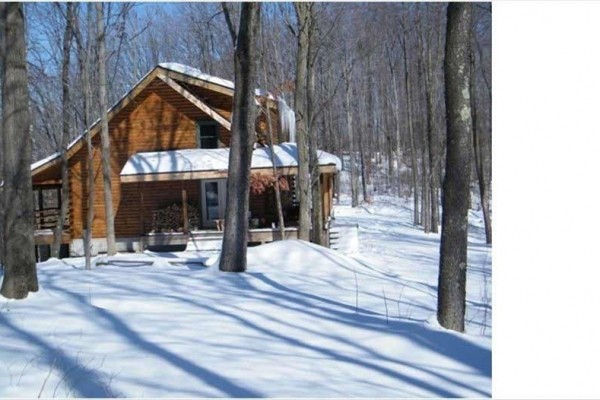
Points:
(445, 343)
(84, 381)
(118, 326)
(243, 286)
(246, 289)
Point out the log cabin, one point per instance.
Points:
(169, 151)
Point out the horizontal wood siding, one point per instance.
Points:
(327, 195)
(156, 195)
(158, 119)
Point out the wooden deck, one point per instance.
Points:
(264, 235)
(46, 237)
(270, 235)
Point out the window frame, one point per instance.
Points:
(204, 123)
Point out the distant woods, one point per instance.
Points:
(377, 81)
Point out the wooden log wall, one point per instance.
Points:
(327, 193)
(157, 119)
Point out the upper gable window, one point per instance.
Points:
(208, 135)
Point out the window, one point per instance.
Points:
(208, 135)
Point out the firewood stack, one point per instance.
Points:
(170, 219)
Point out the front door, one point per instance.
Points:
(213, 202)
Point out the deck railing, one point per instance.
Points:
(48, 218)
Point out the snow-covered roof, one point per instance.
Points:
(197, 160)
(196, 73)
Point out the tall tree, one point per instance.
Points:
(304, 15)
(2, 6)
(347, 72)
(455, 199)
(66, 128)
(84, 51)
(397, 122)
(20, 274)
(429, 201)
(478, 152)
(111, 247)
(235, 241)
(402, 38)
(270, 136)
(311, 114)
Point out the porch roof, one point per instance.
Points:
(212, 163)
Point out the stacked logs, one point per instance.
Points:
(170, 219)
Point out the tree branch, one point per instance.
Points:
(229, 23)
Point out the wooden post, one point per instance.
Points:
(141, 192)
(41, 207)
(324, 182)
(331, 182)
(185, 211)
(59, 204)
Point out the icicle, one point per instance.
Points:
(287, 119)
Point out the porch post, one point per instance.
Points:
(59, 196)
(41, 208)
(185, 210)
(141, 192)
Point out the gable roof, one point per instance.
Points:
(176, 71)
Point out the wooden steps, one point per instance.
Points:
(344, 238)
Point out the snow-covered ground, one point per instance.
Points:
(303, 321)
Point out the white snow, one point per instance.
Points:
(303, 321)
(196, 73)
(44, 161)
(194, 160)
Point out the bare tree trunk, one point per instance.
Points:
(453, 248)
(436, 151)
(315, 176)
(83, 55)
(2, 33)
(235, 240)
(277, 177)
(335, 142)
(66, 125)
(477, 151)
(304, 15)
(353, 176)
(413, 151)
(363, 171)
(430, 207)
(425, 192)
(397, 123)
(425, 166)
(90, 151)
(20, 274)
(271, 145)
(111, 245)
